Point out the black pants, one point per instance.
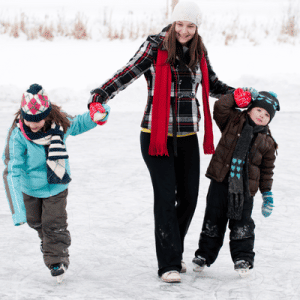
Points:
(48, 217)
(175, 183)
(214, 227)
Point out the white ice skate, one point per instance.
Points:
(183, 267)
(171, 277)
(242, 267)
(199, 263)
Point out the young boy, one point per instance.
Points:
(243, 162)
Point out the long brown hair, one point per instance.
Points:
(55, 115)
(195, 45)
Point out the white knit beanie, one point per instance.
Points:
(187, 11)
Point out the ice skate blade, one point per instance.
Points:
(197, 268)
(244, 273)
(172, 281)
(60, 278)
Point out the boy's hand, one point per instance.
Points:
(242, 98)
(99, 112)
(267, 206)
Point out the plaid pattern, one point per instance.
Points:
(183, 90)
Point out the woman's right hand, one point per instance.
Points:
(242, 98)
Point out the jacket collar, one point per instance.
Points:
(158, 39)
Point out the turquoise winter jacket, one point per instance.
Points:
(25, 167)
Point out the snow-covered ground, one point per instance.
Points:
(110, 203)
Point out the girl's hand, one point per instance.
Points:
(99, 112)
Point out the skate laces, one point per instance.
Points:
(56, 267)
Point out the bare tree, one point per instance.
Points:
(174, 2)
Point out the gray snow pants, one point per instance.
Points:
(48, 216)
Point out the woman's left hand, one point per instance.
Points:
(99, 112)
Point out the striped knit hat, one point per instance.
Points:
(35, 105)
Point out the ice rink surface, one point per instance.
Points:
(110, 202)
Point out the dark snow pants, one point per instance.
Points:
(214, 227)
(48, 216)
(175, 183)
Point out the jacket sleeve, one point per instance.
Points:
(80, 124)
(136, 67)
(14, 162)
(217, 87)
(267, 169)
(224, 110)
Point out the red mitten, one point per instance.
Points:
(96, 108)
(242, 98)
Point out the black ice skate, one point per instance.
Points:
(58, 271)
(242, 267)
(199, 263)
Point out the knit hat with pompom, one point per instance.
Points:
(267, 101)
(35, 105)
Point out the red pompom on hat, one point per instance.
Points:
(242, 98)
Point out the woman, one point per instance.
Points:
(174, 63)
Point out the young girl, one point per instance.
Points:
(174, 62)
(37, 172)
(242, 164)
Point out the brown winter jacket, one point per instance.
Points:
(262, 153)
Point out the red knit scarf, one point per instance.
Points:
(161, 107)
(208, 141)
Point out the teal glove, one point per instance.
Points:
(254, 92)
(107, 110)
(267, 206)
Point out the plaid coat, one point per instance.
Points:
(183, 90)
